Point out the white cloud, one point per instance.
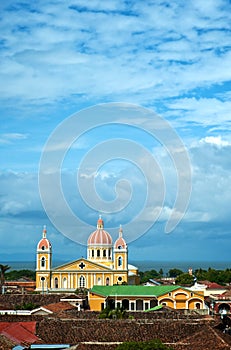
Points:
(12, 137)
(215, 140)
(171, 56)
(114, 50)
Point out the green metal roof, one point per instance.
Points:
(155, 308)
(125, 290)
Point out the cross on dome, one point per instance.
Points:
(100, 223)
(120, 231)
(44, 231)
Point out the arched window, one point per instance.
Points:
(81, 282)
(120, 260)
(43, 262)
(98, 253)
(56, 282)
(92, 253)
(107, 281)
(104, 253)
(198, 306)
(99, 281)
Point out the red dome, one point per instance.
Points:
(44, 243)
(100, 237)
(120, 242)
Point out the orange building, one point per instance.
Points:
(140, 298)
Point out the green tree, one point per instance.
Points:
(174, 272)
(185, 279)
(15, 275)
(118, 313)
(161, 272)
(212, 275)
(201, 274)
(144, 345)
(3, 269)
(26, 306)
(147, 275)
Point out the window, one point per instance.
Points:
(146, 306)
(104, 253)
(109, 253)
(43, 248)
(170, 294)
(107, 281)
(120, 278)
(43, 262)
(82, 282)
(132, 306)
(198, 306)
(191, 294)
(65, 283)
(120, 261)
(56, 282)
(119, 247)
(98, 253)
(92, 253)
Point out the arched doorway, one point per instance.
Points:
(82, 282)
(125, 304)
(111, 303)
(153, 303)
(139, 305)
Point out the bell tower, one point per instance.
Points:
(121, 259)
(43, 263)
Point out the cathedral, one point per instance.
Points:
(106, 264)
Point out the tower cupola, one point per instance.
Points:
(100, 244)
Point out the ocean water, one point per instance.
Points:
(142, 265)
(182, 265)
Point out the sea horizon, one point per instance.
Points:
(142, 265)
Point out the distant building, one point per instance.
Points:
(140, 298)
(106, 264)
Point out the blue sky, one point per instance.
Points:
(170, 57)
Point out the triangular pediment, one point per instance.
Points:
(82, 265)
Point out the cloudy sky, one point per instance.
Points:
(165, 62)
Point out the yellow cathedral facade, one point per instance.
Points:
(106, 264)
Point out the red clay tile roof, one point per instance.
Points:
(212, 285)
(19, 332)
(60, 306)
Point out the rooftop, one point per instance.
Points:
(126, 290)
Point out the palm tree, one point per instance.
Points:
(3, 269)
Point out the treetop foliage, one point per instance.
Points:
(15, 275)
(212, 275)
